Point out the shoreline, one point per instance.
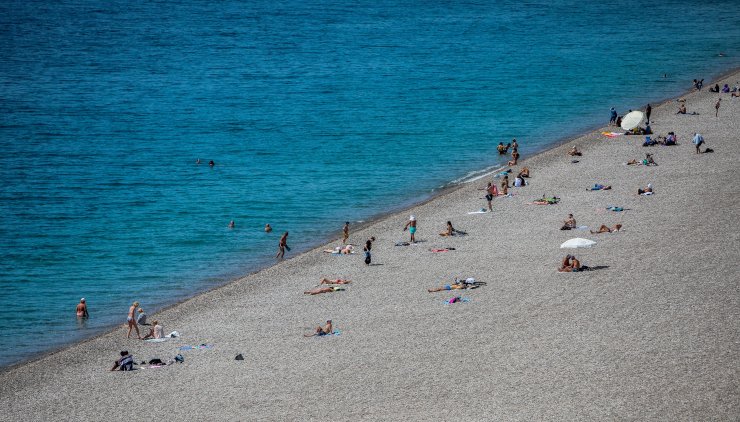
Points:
(653, 334)
(332, 237)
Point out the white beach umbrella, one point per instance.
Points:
(578, 243)
(632, 120)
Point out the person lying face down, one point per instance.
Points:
(605, 229)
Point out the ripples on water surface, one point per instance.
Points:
(314, 113)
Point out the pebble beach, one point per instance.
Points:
(653, 334)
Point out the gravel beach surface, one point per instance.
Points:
(654, 334)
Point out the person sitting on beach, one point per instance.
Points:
(647, 191)
(141, 318)
(574, 152)
(82, 309)
(450, 230)
(726, 89)
(322, 331)
(605, 229)
(681, 109)
(571, 265)
(569, 223)
(336, 281)
(519, 182)
(649, 161)
(157, 331)
(501, 148)
(524, 172)
(125, 363)
(648, 130)
(514, 158)
(598, 186)
(671, 139)
(715, 88)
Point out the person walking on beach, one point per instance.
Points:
(716, 107)
(131, 320)
(648, 110)
(345, 232)
(366, 250)
(82, 309)
(282, 246)
(698, 141)
(612, 116)
(411, 226)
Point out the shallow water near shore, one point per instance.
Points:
(314, 115)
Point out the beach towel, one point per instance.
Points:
(333, 333)
(442, 249)
(156, 340)
(481, 211)
(611, 134)
(199, 347)
(456, 299)
(617, 209)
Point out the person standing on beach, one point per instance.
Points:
(366, 250)
(345, 232)
(514, 145)
(698, 141)
(716, 107)
(648, 110)
(612, 117)
(82, 309)
(282, 246)
(411, 226)
(491, 191)
(131, 320)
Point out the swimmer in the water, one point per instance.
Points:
(268, 229)
(231, 224)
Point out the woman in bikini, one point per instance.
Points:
(337, 281)
(131, 320)
(605, 229)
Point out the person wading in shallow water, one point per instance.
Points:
(82, 309)
(282, 246)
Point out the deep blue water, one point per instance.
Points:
(314, 112)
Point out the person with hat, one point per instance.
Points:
(82, 309)
(411, 226)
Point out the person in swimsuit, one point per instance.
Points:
(141, 319)
(716, 107)
(453, 286)
(282, 246)
(491, 192)
(337, 281)
(605, 229)
(131, 320)
(450, 230)
(157, 331)
(524, 172)
(514, 157)
(647, 190)
(681, 109)
(268, 229)
(501, 148)
(411, 226)
(82, 309)
(231, 224)
(366, 250)
(319, 290)
(569, 224)
(514, 144)
(345, 232)
(322, 331)
(574, 152)
(570, 264)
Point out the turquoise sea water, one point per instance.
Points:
(314, 112)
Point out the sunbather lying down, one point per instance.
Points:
(319, 290)
(345, 250)
(459, 284)
(598, 186)
(605, 229)
(547, 201)
(337, 281)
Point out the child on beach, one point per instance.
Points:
(411, 226)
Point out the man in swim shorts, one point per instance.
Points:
(411, 226)
(82, 309)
